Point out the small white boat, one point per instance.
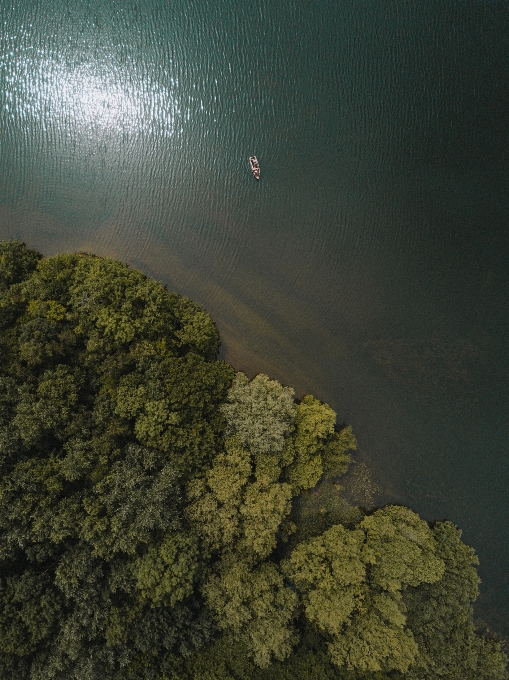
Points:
(255, 166)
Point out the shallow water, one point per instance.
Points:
(369, 264)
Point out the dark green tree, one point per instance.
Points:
(163, 518)
(110, 398)
(351, 583)
(441, 615)
(273, 449)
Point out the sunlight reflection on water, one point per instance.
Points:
(89, 96)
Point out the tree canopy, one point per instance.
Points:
(163, 517)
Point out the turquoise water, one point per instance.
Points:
(369, 265)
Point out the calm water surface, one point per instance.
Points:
(369, 265)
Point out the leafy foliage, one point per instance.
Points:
(316, 448)
(316, 510)
(227, 659)
(351, 583)
(163, 518)
(17, 262)
(256, 606)
(260, 413)
(241, 506)
(441, 615)
(110, 396)
(233, 511)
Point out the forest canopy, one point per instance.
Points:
(163, 517)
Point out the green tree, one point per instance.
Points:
(239, 510)
(163, 518)
(110, 394)
(351, 583)
(441, 615)
(297, 441)
(228, 659)
(316, 448)
(316, 510)
(17, 262)
(335, 452)
(260, 414)
(238, 516)
(255, 605)
(232, 510)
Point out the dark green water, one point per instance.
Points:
(370, 263)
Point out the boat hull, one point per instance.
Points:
(255, 167)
